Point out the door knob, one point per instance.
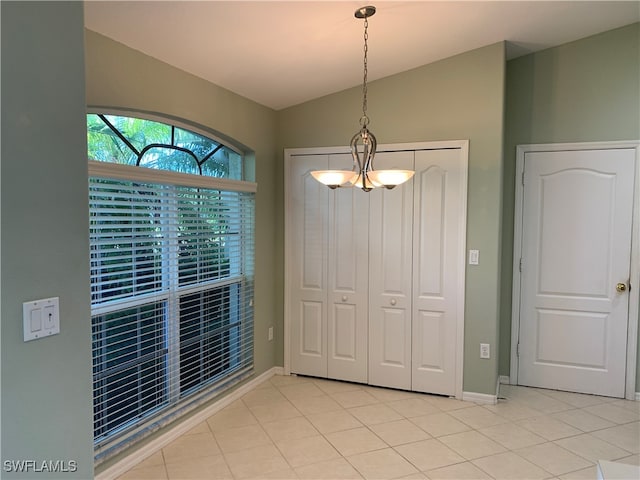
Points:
(621, 287)
(393, 301)
(344, 298)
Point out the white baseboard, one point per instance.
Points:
(637, 396)
(504, 380)
(137, 456)
(483, 398)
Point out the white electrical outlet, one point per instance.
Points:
(270, 333)
(485, 351)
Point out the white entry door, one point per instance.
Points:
(575, 269)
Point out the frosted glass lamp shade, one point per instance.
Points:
(333, 178)
(389, 178)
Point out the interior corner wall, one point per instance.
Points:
(461, 97)
(583, 91)
(118, 77)
(46, 384)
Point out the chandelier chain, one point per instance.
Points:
(365, 120)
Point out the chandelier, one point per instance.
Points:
(363, 175)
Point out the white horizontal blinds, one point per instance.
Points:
(172, 290)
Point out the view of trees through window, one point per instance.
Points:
(171, 272)
(147, 143)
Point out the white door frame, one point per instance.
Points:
(634, 293)
(463, 145)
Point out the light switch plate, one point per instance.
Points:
(474, 257)
(41, 318)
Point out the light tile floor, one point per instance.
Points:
(306, 428)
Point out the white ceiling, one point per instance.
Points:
(284, 53)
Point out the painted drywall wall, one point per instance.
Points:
(46, 384)
(125, 79)
(583, 91)
(458, 98)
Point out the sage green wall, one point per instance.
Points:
(458, 98)
(583, 91)
(46, 384)
(120, 77)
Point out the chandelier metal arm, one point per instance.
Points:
(364, 175)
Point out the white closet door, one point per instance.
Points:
(436, 249)
(348, 275)
(308, 269)
(391, 217)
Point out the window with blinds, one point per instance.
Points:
(171, 295)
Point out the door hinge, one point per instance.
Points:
(520, 264)
(518, 349)
(522, 179)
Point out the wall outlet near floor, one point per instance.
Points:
(485, 351)
(270, 333)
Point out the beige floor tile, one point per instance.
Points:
(275, 411)
(577, 400)
(631, 460)
(478, 417)
(512, 436)
(358, 440)
(212, 467)
(331, 386)
(413, 407)
(549, 428)
(634, 406)
(320, 404)
(447, 404)
(459, 471)
(471, 444)
(585, 474)
(391, 394)
(305, 451)
(202, 427)
(614, 413)
(354, 398)
(157, 472)
(337, 469)
(298, 427)
(543, 403)
(151, 461)
(241, 438)
(190, 446)
(509, 466)
(238, 416)
(286, 474)
(373, 414)
(583, 420)
(301, 390)
(284, 380)
(440, 424)
(382, 464)
(399, 432)
(513, 410)
(413, 476)
(333, 421)
(592, 448)
(256, 461)
(263, 396)
(553, 458)
(429, 454)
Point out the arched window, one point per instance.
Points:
(148, 143)
(172, 241)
